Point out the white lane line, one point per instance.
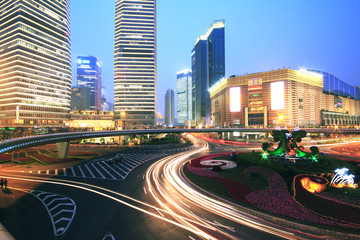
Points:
(121, 170)
(98, 171)
(82, 172)
(145, 190)
(116, 171)
(106, 171)
(62, 211)
(61, 204)
(132, 166)
(55, 199)
(125, 167)
(73, 171)
(62, 219)
(51, 195)
(87, 167)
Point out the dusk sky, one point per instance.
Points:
(260, 35)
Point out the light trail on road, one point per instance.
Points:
(170, 192)
(177, 196)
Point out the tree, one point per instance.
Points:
(265, 146)
(314, 150)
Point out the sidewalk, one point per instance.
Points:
(4, 234)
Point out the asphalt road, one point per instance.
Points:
(141, 206)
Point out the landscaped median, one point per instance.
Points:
(244, 184)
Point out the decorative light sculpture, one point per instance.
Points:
(343, 179)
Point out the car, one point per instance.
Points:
(116, 159)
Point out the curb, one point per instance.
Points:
(4, 234)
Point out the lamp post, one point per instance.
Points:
(122, 116)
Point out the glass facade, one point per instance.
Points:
(337, 87)
(35, 62)
(89, 74)
(208, 67)
(169, 106)
(184, 96)
(135, 61)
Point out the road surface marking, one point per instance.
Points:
(116, 171)
(59, 205)
(98, 171)
(123, 177)
(73, 171)
(61, 219)
(82, 172)
(62, 211)
(55, 199)
(90, 171)
(109, 236)
(51, 195)
(106, 171)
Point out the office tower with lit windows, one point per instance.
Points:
(170, 106)
(89, 74)
(135, 62)
(208, 67)
(184, 96)
(35, 62)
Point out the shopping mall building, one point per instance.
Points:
(284, 97)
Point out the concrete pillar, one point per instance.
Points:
(178, 137)
(63, 149)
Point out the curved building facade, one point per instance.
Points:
(283, 97)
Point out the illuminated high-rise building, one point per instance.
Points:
(135, 62)
(170, 106)
(35, 62)
(89, 74)
(184, 96)
(208, 67)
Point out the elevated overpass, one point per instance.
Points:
(62, 140)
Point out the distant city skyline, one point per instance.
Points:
(260, 36)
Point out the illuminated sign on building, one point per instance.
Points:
(277, 96)
(338, 103)
(235, 105)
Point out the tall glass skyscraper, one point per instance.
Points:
(208, 67)
(184, 96)
(89, 74)
(35, 62)
(170, 106)
(135, 62)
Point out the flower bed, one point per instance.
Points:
(325, 206)
(276, 199)
(235, 190)
(23, 161)
(44, 159)
(7, 157)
